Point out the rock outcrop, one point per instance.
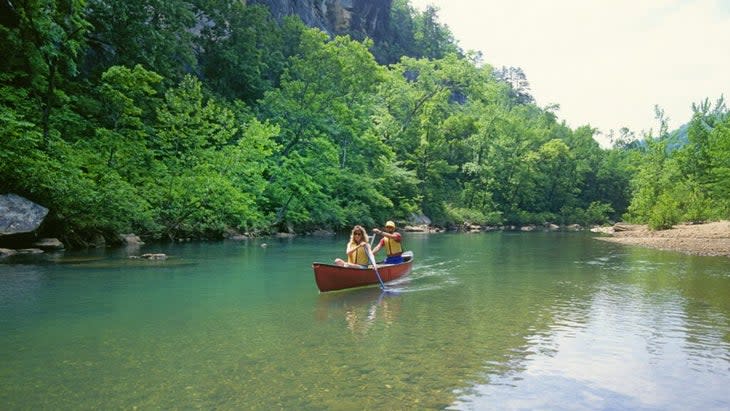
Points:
(359, 18)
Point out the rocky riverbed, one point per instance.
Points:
(710, 239)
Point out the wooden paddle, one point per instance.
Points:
(371, 257)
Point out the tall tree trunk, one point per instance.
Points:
(46, 103)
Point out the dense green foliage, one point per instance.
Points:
(182, 119)
(690, 182)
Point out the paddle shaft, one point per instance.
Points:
(371, 257)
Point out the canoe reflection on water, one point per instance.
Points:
(360, 309)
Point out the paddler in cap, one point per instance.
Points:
(391, 242)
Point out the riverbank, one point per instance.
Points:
(710, 239)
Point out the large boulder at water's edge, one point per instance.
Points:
(19, 215)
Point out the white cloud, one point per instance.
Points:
(607, 63)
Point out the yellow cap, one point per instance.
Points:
(390, 224)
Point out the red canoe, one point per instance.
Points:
(332, 277)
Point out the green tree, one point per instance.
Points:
(323, 109)
(242, 50)
(41, 53)
(427, 125)
(188, 123)
(432, 39)
(127, 97)
(553, 178)
(213, 158)
(719, 158)
(414, 34)
(158, 34)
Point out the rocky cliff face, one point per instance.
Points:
(358, 18)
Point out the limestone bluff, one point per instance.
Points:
(359, 18)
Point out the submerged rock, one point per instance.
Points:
(149, 256)
(29, 251)
(6, 252)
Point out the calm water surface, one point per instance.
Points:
(484, 321)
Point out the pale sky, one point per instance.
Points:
(606, 63)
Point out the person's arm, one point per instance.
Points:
(379, 246)
(395, 236)
(352, 248)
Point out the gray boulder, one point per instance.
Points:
(155, 256)
(49, 244)
(419, 219)
(19, 215)
(6, 252)
(130, 239)
(29, 251)
(416, 228)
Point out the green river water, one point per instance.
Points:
(484, 321)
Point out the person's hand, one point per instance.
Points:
(377, 230)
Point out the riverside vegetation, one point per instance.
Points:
(195, 118)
